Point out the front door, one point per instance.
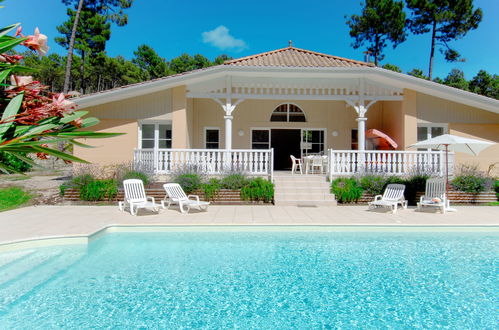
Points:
(285, 142)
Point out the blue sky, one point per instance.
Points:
(241, 28)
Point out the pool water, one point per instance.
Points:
(256, 279)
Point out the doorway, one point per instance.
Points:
(285, 142)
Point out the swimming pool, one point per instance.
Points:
(256, 279)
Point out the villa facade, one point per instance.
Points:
(258, 110)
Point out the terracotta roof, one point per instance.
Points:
(296, 57)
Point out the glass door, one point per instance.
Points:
(312, 142)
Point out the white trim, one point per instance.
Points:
(156, 124)
(205, 128)
(258, 129)
(287, 113)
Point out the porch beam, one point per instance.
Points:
(298, 96)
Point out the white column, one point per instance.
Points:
(228, 132)
(361, 131)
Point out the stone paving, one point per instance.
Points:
(54, 221)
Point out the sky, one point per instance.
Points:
(242, 28)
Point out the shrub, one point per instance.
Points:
(78, 182)
(136, 175)
(373, 184)
(234, 181)
(14, 163)
(471, 179)
(346, 189)
(99, 190)
(189, 182)
(496, 188)
(211, 188)
(258, 189)
(13, 197)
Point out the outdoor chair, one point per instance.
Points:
(393, 195)
(296, 164)
(434, 195)
(176, 195)
(317, 162)
(135, 197)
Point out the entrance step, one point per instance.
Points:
(302, 190)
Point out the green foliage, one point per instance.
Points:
(373, 184)
(469, 183)
(13, 197)
(456, 79)
(97, 190)
(414, 184)
(258, 189)
(446, 20)
(188, 181)
(381, 21)
(77, 183)
(234, 181)
(15, 163)
(392, 67)
(485, 84)
(418, 73)
(211, 188)
(346, 190)
(150, 63)
(133, 174)
(496, 188)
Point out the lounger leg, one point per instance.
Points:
(181, 206)
(394, 208)
(120, 206)
(132, 212)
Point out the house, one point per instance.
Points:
(256, 111)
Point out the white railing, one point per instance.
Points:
(208, 161)
(350, 162)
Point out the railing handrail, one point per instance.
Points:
(391, 151)
(204, 150)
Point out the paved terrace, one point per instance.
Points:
(52, 221)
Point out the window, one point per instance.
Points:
(260, 139)
(212, 138)
(355, 139)
(428, 131)
(155, 135)
(288, 113)
(312, 142)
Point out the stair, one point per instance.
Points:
(22, 273)
(302, 190)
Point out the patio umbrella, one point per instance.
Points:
(380, 140)
(454, 143)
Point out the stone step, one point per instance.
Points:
(297, 185)
(305, 203)
(302, 190)
(299, 178)
(304, 196)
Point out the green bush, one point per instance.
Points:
(189, 182)
(234, 181)
(346, 190)
(496, 188)
(373, 184)
(99, 190)
(13, 197)
(211, 188)
(132, 174)
(14, 162)
(413, 185)
(78, 182)
(470, 183)
(258, 189)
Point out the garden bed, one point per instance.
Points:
(224, 196)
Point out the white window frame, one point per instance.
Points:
(287, 113)
(156, 124)
(213, 128)
(429, 127)
(259, 129)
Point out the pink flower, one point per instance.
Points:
(18, 31)
(37, 42)
(60, 101)
(20, 80)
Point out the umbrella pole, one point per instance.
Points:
(447, 171)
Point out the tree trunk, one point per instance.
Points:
(376, 53)
(432, 52)
(82, 73)
(69, 60)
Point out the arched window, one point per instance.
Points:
(288, 113)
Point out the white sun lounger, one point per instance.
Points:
(393, 195)
(135, 197)
(434, 195)
(176, 195)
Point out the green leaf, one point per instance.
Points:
(91, 121)
(73, 116)
(10, 111)
(5, 46)
(82, 145)
(4, 74)
(7, 29)
(60, 154)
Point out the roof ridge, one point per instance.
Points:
(306, 51)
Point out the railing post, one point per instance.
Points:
(271, 168)
(441, 162)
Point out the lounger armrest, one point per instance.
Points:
(378, 197)
(196, 197)
(151, 198)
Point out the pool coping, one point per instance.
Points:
(85, 239)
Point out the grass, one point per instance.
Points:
(16, 177)
(13, 197)
(493, 204)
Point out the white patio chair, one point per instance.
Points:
(176, 195)
(317, 162)
(135, 197)
(296, 164)
(434, 195)
(392, 196)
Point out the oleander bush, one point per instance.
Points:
(346, 190)
(258, 189)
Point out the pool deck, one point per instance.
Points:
(61, 221)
